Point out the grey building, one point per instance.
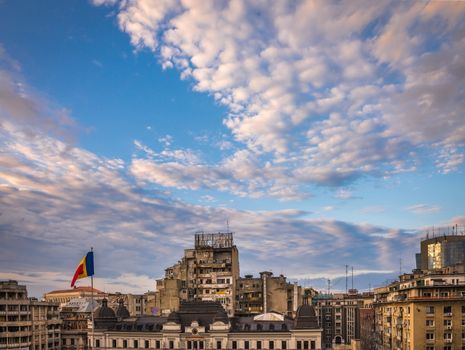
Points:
(442, 251)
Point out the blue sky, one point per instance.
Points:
(325, 133)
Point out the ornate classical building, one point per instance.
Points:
(202, 325)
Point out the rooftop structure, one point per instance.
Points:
(442, 251)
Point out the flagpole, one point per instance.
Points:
(92, 303)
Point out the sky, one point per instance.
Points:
(322, 133)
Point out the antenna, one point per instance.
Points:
(227, 225)
(329, 286)
(400, 266)
(347, 271)
(352, 277)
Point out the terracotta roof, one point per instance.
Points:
(76, 289)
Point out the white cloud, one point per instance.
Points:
(344, 194)
(373, 86)
(55, 197)
(423, 209)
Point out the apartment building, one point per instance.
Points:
(255, 295)
(15, 316)
(423, 310)
(27, 323)
(339, 316)
(135, 303)
(207, 272)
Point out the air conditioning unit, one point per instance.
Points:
(448, 327)
(448, 341)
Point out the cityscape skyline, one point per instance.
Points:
(322, 134)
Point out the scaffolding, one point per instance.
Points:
(214, 240)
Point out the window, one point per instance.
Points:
(189, 344)
(201, 345)
(305, 344)
(271, 345)
(125, 344)
(259, 344)
(157, 344)
(448, 347)
(171, 344)
(430, 309)
(447, 335)
(246, 345)
(136, 344)
(429, 323)
(447, 323)
(463, 309)
(312, 344)
(283, 345)
(218, 344)
(429, 336)
(113, 343)
(147, 344)
(447, 309)
(97, 343)
(234, 344)
(299, 345)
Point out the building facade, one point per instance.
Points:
(205, 325)
(441, 251)
(27, 323)
(267, 293)
(15, 316)
(135, 303)
(423, 310)
(65, 295)
(339, 316)
(208, 272)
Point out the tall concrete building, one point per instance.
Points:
(339, 316)
(441, 251)
(423, 310)
(15, 316)
(267, 293)
(27, 323)
(46, 325)
(207, 272)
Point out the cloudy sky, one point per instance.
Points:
(325, 133)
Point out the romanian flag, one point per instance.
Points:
(85, 268)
